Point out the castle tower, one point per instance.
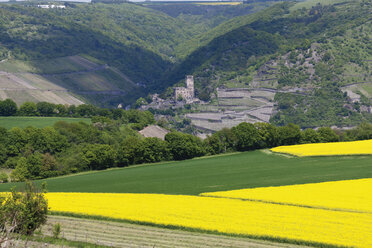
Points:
(190, 85)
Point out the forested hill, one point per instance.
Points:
(309, 53)
(136, 40)
(315, 57)
(139, 42)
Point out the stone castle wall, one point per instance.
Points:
(187, 92)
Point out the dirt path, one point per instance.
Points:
(131, 235)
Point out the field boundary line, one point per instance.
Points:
(290, 204)
(269, 152)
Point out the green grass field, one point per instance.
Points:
(22, 122)
(226, 172)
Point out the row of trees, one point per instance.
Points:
(9, 108)
(141, 118)
(35, 153)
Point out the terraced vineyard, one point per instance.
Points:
(67, 80)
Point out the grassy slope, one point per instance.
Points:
(227, 172)
(20, 121)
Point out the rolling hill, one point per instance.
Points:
(111, 49)
(96, 53)
(308, 63)
(216, 173)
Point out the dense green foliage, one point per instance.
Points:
(141, 42)
(71, 147)
(323, 107)
(156, 45)
(123, 35)
(336, 37)
(112, 141)
(226, 172)
(8, 107)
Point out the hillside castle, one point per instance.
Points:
(186, 93)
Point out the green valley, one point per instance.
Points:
(290, 57)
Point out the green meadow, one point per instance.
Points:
(39, 122)
(224, 172)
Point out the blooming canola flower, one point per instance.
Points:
(347, 195)
(361, 147)
(231, 216)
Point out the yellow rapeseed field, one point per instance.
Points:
(324, 149)
(348, 195)
(224, 215)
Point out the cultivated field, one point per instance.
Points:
(346, 195)
(331, 210)
(361, 147)
(39, 122)
(222, 215)
(216, 173)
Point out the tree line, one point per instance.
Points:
(35, 153)
(45, 109)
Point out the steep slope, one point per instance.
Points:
(139, 44)
(136, 41)
(205, 16)
(306, 57)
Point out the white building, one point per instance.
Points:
(51, 6)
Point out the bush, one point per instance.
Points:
(327, 135)
(8, 107)
(184, 146)
(4, 177)
(56, 230)
(247, 136)
(22, 212)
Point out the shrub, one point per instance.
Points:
(4, 177)
(56, 230)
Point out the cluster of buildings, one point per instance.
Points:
(181, 96)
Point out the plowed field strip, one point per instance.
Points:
(132, 235)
